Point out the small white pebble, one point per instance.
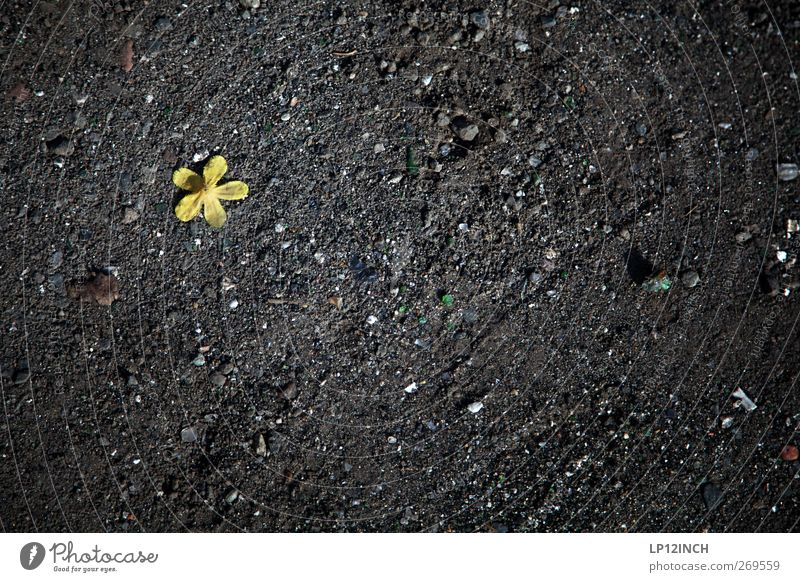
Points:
(781, 256)
(475, 407)
(279, 228)
(372, 320)
(234, 304)
(411, 388)
(148, 99)
(391, 440)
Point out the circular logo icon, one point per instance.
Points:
(31, 555)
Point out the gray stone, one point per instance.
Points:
(787, 172)
(480, 19)
(189, 435)
(56, 259)
(129, 215)
(465, 130)
(690, 278)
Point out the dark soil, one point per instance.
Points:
(388, 244)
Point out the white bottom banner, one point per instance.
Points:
(390, 557)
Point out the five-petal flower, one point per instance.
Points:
(205, 193)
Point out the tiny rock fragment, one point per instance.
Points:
(748, 404)
(126, 56)
(411, 388)
(261, 446)
(475, 407)
(102, 289)
(130, 215)
(789, 453)
(336, 302)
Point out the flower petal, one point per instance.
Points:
(214, 170)
(231, 191)
(189, 206)
(214, 212)
(185, 179)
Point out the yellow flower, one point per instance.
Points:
(205, 193)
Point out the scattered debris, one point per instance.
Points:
(102, 289)
(411, 388)
(337, 302)
(658, 282)
(744, 399)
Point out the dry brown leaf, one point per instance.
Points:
(126, 57)
(19, 92)
(101, 289)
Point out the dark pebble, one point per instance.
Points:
(712, 495)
